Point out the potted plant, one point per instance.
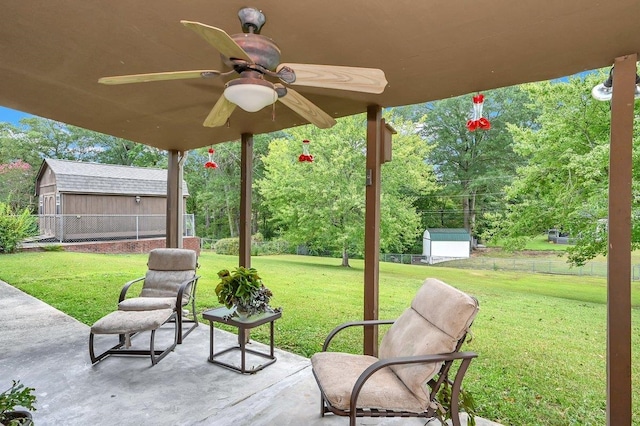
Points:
(18, 395)
(243, 291)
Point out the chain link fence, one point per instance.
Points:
(88, 227)
(543, 266)
(407, 259)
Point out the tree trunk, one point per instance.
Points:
(466, 213)
(232, 232)
(345, 258)
(472, 219)
(472, 213)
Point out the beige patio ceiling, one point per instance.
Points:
(53, 52)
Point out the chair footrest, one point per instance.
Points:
(122, 322)
(128, 323)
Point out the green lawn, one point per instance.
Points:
(539, 243)
(540, 338)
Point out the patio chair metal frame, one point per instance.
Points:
(180, 304)
(437, 322)
(435, 383)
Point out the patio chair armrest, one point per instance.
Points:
(466, 358)
(125, 288)
(345, 325)
(194, 282)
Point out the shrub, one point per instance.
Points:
(52, 247)
(272, 247)
(14, 228)
(230, 246)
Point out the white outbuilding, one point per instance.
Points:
(440, 244)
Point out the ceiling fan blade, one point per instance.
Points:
(368, 80)
(220, 113)
(158, 76)
(219, 39)
(306, 109)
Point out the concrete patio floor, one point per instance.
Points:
(48, 350)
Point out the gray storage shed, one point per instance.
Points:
(83, 201)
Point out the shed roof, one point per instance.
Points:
(447, 234)
(95, 178)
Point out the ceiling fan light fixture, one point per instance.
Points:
(601, 92)
(604, 91)
(250, 94)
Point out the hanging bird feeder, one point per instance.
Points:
(478, 121)
(305, 156)
(211, 164)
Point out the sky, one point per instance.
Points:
(11, 115)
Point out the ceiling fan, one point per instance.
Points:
(253, 57)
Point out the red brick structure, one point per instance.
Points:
(120, 246)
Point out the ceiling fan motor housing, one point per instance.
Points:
(262, 50)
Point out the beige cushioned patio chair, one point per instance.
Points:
(415, 357)
(170, 283)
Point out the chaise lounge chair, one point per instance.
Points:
(170, 283)
(167, 288)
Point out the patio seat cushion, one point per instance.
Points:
(125, 322)
(427, 328)
(147, 303)
(337, 372)
(168, 269)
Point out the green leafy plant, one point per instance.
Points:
(243, 290)
(14, 228)
(466, 404)
(18, 395)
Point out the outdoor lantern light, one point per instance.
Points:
(603, 91)
(137, 198)
(250, 94)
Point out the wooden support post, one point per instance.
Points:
(619, 253)
(246, 176)
(175, 201)
(372, 227)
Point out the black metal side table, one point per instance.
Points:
(222, 315)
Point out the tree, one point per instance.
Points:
(321, 204)
(24, 147)
(564, 183)
(108, 149)
(18, 168)
(216, 192)
(17, 185)
(472, 167)
(39, 138)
